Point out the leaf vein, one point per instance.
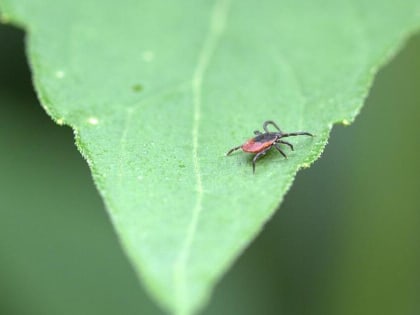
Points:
(216, 28)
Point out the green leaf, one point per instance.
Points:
(157, 92)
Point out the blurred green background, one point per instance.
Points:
(345, 241)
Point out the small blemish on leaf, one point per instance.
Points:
(59, 74)
(137, 88)
(60, 121)
(93, 120)
(181, 165)
(148, 55)
(345, 122)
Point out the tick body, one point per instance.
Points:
(264, 141)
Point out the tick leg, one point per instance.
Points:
(234, 149)
(258, 155)
(286, 143)
(257, 132)
(298, 133)
(270, 122)
(278, 149)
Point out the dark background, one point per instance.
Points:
(345, 241)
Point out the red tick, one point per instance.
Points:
(265, 141)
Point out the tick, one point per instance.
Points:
(262, 142)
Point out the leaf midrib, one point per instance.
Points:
(216, 28)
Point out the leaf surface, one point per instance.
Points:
(157, 92)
